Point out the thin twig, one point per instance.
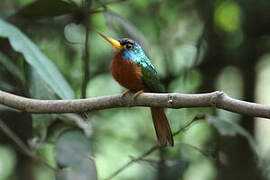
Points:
(197, 117)
(200, 42)
(206, 154)
(150, 161)
(16, 139)
(79, 121)
(105, 4)
(23, 147)
(86, 70)
(199, 48)
(85, 58)
(151, 150)
(114, 1)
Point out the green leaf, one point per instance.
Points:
(47, 8)
(73, 151)
(6, 62)
(46, 151)
(174, 169)
(78, 121)
(71, 173)
(40, 90)
(6, 108)
(57, 130)
(8, 161)
(231, 128)
(41, 122)
(7, 86)
(45, 68)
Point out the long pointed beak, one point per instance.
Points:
(113, 42)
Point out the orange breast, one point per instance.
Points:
(126, 73)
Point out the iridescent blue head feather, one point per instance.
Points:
(132, 50)
(129, 48)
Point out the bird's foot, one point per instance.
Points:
(138, 93)
(125, 92)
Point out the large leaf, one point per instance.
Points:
(45, 68)
(47, 8)
(73, 152)
(40, 90)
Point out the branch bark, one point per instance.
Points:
(171, 100)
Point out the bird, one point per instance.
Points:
(133, 70)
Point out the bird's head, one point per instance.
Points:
(127, 48)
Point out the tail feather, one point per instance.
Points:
(162, 127)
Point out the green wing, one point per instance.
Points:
(149, 75)
(151, 79)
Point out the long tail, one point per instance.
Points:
(162, 127)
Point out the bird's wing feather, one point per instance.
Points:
(149, 74)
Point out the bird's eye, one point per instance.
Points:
(128, 46)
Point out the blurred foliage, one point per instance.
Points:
(228, 16)
(196, 46)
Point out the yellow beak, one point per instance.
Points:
(113, 42)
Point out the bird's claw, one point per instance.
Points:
(138, 93)
(125, 92)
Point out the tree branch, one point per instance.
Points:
(172, 100)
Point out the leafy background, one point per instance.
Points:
(50, 49)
